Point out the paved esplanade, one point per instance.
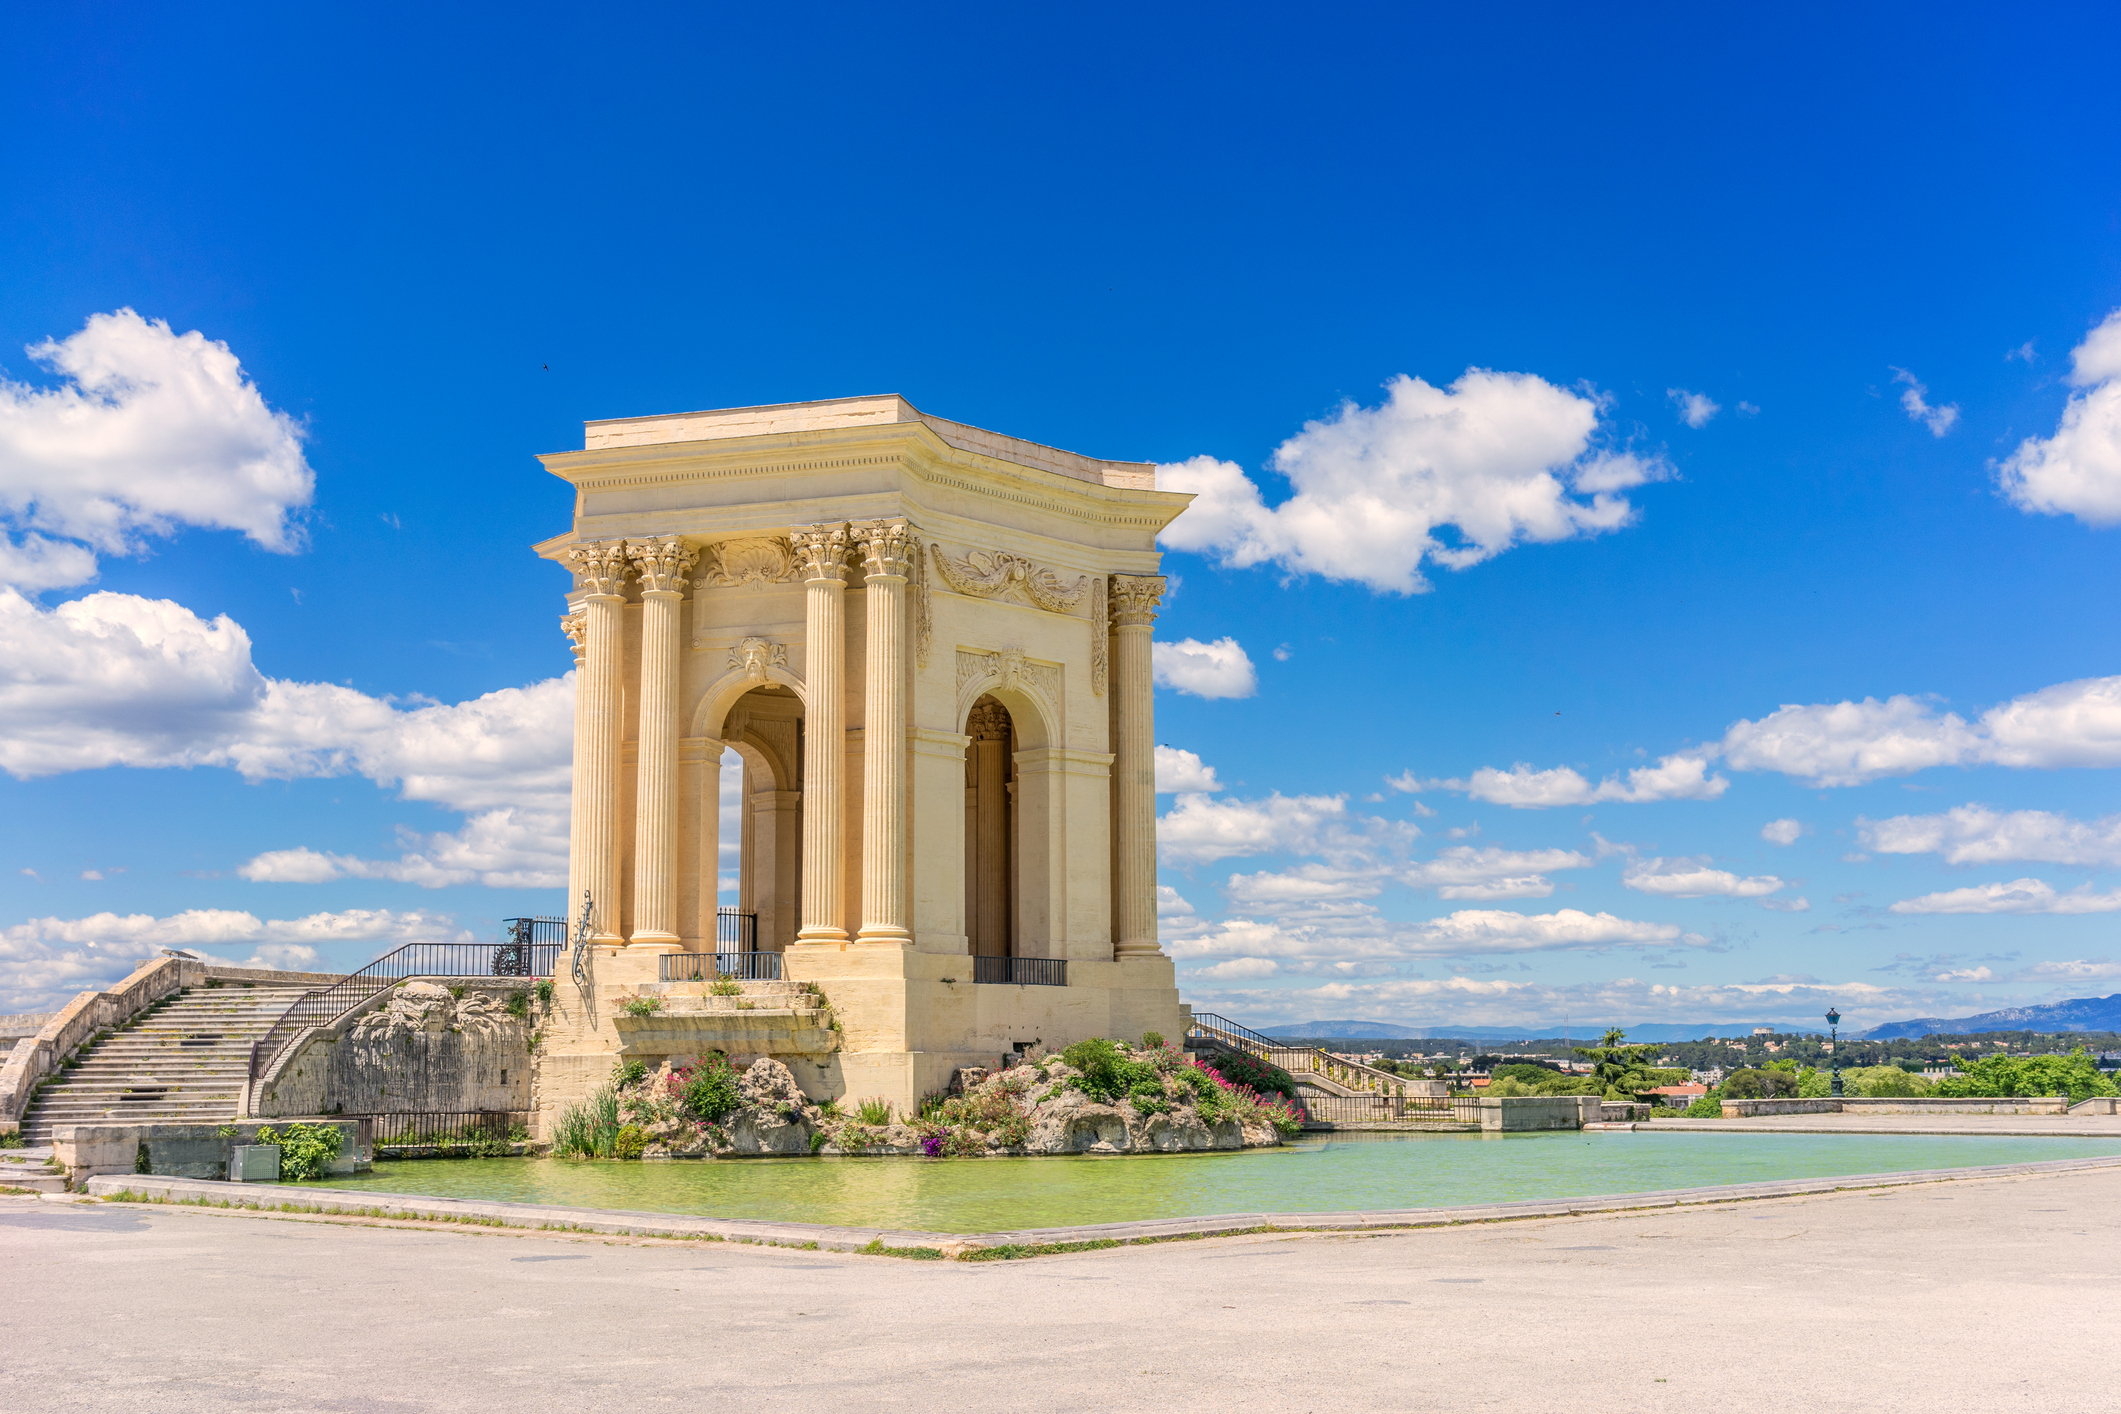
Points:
(1969, 1295)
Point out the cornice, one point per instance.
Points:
(913, 447)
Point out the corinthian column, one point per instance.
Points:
(886, 557)
(600, 570)
(575, 626)
(661, 566)
(821, 554)
(1133, 608)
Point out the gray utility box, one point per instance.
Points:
(254, 1163)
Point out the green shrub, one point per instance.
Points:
(628, 1072)
(875, 1113)
(306, 1150)
(725, 987)
(707, 1090)
(1709, 1106)
(1257, 1074)
(11, 1139)
(642, 1006)
(1760, 1085)
(544, 991)
(2075, 1075)
(519, 1005)
(630, 1143)
(456, 990)
(1151, 1040)
(1885, 1082)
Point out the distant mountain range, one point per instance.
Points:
(2082, 1014)
(1583, 1033)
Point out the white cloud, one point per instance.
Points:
(1787, 905)
(1975, 834)
(1201, 830)
(2073, 970)
(1502, 458)
(1938, 420)
(1782, 831)
(119, 680)
(1340, 933)
(2018, 896)
(148, 431)
(1695, 409)
(1463, 872)
(1694, 878)
(2078, 470)
(1218, 669)
(1850, 743)
(1680, 776)
(47, 960)
(1183, 772)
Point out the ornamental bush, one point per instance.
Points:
(1709, 1106)
(1256, 1073)
(2075, 1075)
(306, 1150)
(707, 1090)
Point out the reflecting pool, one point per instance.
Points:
(1337, 1173)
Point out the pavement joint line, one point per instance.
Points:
(884, 1241)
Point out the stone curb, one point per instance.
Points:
(627, 1223)
(1710, 1126)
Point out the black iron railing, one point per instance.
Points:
(712, 966)
(409, 1129)
(521, 939)
(314, 1008)
(1022, 971)
(735, 930)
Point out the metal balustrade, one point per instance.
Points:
(715, 966)
(407, 1129)
(518, 955)
(1022, 971)
(735, 930)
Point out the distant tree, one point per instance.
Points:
(1621, 1072)
(2075, 1075)
(1760, 1085)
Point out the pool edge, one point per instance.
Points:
(621, 1222)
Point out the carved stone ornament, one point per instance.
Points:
(986, 574)
(821, 551)
(989, 721)
(887, 548)
(661, 565)
(1100, 633)
(576, 627)
(754, 656)
(600, 566)
(1010, 670)
(1134, 599)
(732, 564)
(923, 613)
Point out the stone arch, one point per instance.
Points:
(1002, 676)
(767, 736)
(724, 692)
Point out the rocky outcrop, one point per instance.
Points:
(1044, 1106)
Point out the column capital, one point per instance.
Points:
(600, 567)
(1134, 599)
(576, 627)
(821, 552)
(661, 564)
(887, 548)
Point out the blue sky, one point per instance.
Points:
(259, 613)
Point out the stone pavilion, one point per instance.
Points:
(929, 645)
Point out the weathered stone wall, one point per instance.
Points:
(179, 1150)
(1897, 1105)
(416, 1048)
(1514, 1113)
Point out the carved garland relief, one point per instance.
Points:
(990, 574)
(732, 564)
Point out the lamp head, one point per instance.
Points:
(1833, 1017)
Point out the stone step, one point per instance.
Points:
(37, 1181)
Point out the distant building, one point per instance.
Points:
(1712, 1076)
(1763, 1030)
(1677, 1096)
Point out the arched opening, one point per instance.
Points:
(991, 830)
(765, 728)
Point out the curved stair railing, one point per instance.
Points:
(524, 951)
(1299, 1060)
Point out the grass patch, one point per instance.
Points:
(876, 1248)
(1014, 1251)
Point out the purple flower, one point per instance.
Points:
(932, 1145)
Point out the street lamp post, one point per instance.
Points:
(1833, 1026)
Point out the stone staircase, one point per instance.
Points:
(30, 1171)
(183, 1061)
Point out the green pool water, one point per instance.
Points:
(1337, 1174)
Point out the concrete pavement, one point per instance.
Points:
(1969, 1294)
